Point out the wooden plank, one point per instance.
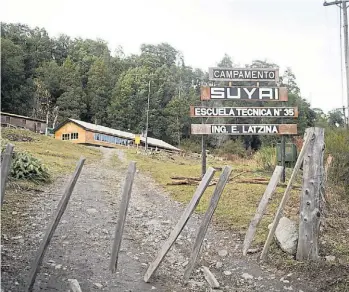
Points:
(180, 224)
(243, 74)
(308, 136)
(53, 225)
(5, 169)
(223, 179)
(243, 112)
(245, 93)
(126, 195)
(261, 208)
(313, 184)
(244, 129)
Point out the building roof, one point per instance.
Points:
(23, 117)
(127, 135)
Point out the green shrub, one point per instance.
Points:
(266, 158)
(191, 145)
(232, 147)
(26, 167)
(337, 144)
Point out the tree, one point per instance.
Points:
(335, 118)
(13, 82)
(98, 89)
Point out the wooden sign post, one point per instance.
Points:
(244, 93)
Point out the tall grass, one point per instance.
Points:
(266, 158)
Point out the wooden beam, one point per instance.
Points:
(53, 225)
(243, 129)
(313, 184)
(261, 208)
(223, 179)
(308, 137)
(180, 224)
(126, 195)
(5, 169)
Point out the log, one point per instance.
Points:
(125, 199)
(261, 208)
(180, 224)
(313, 182)
(223, 179)
(53, 225)
(308, 136)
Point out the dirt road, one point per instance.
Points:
(81, 246)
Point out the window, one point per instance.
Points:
(65, 136)
(74, 136)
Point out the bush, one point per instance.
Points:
(337, 144)
(266, 158)
(191, 145)
(232, 147)
(25, 166)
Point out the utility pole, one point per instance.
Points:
(343, 5)
(146, 127)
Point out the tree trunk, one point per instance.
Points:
(310, 209)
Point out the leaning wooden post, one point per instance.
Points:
(223, 179)
(5, 168)
(53, 225)
(308, 136)
(313, 180)
(269, 191)
(181, 223)
(126, 195)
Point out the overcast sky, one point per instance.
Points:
(301, 34)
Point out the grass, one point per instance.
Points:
(60, 157)
(238, 205)
(239, 201)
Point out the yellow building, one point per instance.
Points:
(86, 133)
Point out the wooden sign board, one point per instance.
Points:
(244, 93)
(240, 129)
(243, 74)
(240, 112)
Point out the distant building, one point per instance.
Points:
(23, 122)
(86, 133)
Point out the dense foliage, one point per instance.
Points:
(80, 78)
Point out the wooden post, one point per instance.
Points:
(223, 179)
(181, 223)
(126, 195)
(278, 215)
(261, 208)
(5, 169)
(53, 225)
(313, 183)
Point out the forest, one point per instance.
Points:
(61, 77)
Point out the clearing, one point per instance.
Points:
(81, 246)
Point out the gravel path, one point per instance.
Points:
(81, 246)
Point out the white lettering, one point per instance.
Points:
(266, 93)
(234, 129)
(215, 74)
(277, 112)
(217, 92)
(218, 129)
(230, 95)
(249, 93)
